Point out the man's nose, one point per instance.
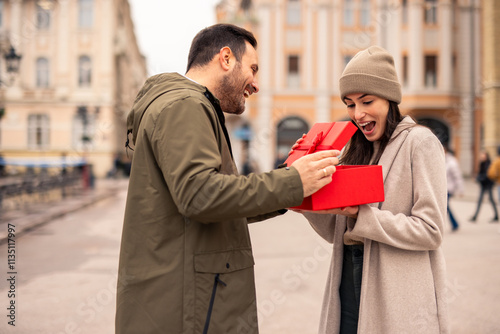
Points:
(255, 86)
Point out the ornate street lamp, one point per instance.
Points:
(12, 61)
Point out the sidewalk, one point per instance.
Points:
(38, 214)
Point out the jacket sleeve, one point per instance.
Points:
(265, 216)
(423, 227)
(186, 142)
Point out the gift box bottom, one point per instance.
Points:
(350, 186)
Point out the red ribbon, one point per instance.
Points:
(318, 139)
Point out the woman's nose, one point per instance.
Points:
(359, 114)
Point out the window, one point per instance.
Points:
(293, 71)
(83, 128)
(1, 13)
(42, 73)
(430, 71)
(43, 15)
(430, 13)
(348, 13)
(293, 12)
(405, 70)
(347, 59)
(38, 131)
(454, 8)
(84, 71)
(404, 10)
(454, 69)
(85, 13)
(365, 13)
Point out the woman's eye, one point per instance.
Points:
(350, 106)
(367, 102)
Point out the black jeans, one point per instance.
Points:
(489, 189)
(350, 288)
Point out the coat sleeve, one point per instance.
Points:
(422, 227)
(323, 224)
(186, 142)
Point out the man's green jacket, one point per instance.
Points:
(186, 263)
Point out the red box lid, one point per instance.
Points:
(323, 136)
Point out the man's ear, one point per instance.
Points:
(225, 57)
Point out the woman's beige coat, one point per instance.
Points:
(403, 289)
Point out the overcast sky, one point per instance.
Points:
(165, 29)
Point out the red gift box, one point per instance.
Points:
(351, 185)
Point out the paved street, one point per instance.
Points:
(66, 272)
(66, 281)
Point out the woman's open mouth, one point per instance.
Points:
(367, 127)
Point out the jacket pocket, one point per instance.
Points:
(225, 292)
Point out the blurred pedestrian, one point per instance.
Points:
(494, 173)
(186, 263)
(455, 182)
(2, 166)
(486, 185)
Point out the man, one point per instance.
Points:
(186, 263)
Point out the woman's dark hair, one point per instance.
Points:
(359, 150)
(208, 42)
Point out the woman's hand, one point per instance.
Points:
(350, 211)
(297, 143)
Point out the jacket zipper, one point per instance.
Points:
(212, 300)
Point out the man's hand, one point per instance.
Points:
(316, 170)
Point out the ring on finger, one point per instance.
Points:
(324, 172)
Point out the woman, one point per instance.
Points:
(486, 185)
(388, 271)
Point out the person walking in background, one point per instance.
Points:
(486, 185)
(494, 172)
(186, 262)
(455, 182)
(388, 273)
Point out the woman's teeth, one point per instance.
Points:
(367, 126)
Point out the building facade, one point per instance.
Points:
(80, 71)
(304, 46)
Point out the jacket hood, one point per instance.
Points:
(153, 88)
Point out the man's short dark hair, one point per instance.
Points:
(208, 42)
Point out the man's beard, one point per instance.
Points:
(231, 99)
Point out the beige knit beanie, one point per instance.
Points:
(371, 71)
